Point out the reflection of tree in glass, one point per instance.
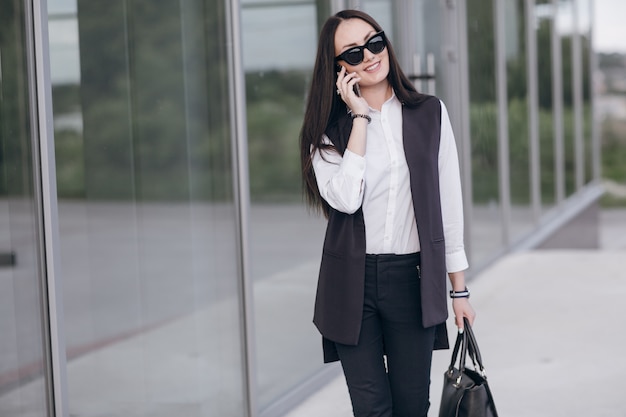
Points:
(275, 112)
(154, 98)
(15, 139)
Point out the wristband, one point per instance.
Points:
(460, 294)
(364, 116)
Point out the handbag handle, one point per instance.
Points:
(473, 349)
(459, 346)
(466, 344)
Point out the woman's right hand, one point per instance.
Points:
(345, 88)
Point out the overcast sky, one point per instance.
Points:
(610, 27)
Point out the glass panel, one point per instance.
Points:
(519, 139)
(382, 11)
(584, 27)
(544, 14)
(565, 28)
(286, 241)
(147, 218)
(428, 25)
(22, 357)
(486, 228)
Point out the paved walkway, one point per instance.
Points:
(548, 328)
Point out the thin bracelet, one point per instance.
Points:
(364, 116)
(460, 294)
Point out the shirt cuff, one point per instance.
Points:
(456, 261)
(353, 164)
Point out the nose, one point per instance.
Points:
(368, 55)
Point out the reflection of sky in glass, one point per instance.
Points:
(61, 7)
(584, 15)
(63, 37)
(64, 57)
(285, 37)
(565, 18)
(283, 34)
(275, 2)
(609, 30)
(279, 37)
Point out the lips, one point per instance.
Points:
(373, 67)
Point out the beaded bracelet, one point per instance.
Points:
(460, 294)
(364, 116)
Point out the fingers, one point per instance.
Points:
(459, 323)
(463, 309)
(345, 83)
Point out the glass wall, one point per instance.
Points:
(279, 43)
(23, 385)
(544, 25)
(565, 24)
(584, 29)
(518, 117)
(486, 236)
(146, 208)
(146, 127)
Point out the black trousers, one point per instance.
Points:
(392, 328)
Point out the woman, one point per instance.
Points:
(379, 159)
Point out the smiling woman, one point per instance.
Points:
(382, 166)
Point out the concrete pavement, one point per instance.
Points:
(548, 328)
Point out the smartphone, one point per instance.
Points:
(357, 89)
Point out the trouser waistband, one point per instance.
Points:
(409, 259)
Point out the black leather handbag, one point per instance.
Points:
(465, 391)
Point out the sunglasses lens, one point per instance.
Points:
(353, 56)
(376, 44)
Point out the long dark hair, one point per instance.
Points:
(324, 107)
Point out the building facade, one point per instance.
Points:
(156, 257)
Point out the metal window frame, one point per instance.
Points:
(38, 51)
(241, 192)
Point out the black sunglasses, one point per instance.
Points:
(355, 55)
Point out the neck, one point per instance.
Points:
(377, 95)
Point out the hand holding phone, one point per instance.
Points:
(356, 102)
(356, 88)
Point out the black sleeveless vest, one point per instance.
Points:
(340, 290)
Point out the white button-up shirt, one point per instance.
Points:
(379, 182)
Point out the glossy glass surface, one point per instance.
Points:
(22, 356)
(286, 240)
(518, 118)
(545, 17)
(566, 27)
(584, 29)
(146, 209)
(486, 237)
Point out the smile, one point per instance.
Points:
(373, 67)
